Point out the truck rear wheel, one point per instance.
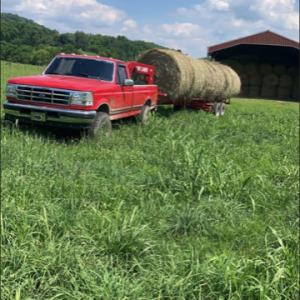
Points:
(144, 114)
(101, 125)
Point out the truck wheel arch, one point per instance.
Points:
(104, 108)
(148, 102)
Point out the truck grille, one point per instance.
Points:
(43, 95)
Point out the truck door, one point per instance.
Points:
(124, 102)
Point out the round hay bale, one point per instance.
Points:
(269, 91)
(284, 93)
(265, 69)
(293, 71)
(232, 82)
(296, 82)
(244, 90)
(256, 80)
(238, 67)
(235, 87)
(174, 73)
(254, 91)
(295, 95)
(285, 81)
(270, 80)
(220, 77)
(279, 69)
(244, 78)
(201, 72)
(182, 76)
(251, 69)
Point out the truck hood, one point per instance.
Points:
(60, 82)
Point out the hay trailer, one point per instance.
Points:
(147, 71)
(215, 106)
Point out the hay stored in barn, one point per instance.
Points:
(238, 67)
(296, 82)
(254, 91)
(256, 80)
(244, 78)
(269, 91)
(245, 90)
(251, 69)
(235, 86)
(284, 93)
(285, 81)
(265, 69)
(182, 76)
(279, 69)
(270, 80)
(293, 71)
(296, 94)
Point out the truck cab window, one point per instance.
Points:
(121, 75)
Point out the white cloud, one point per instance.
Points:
(68, 15)
(129, 24)
(180, 29)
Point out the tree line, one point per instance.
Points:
(24, 41)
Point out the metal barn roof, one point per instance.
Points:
(264, 38)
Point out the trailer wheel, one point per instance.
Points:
(101, 125)
(222, 109)
(216, 109)
(144, 114)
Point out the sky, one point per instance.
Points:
(191, 26)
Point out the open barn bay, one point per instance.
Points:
(189, 207)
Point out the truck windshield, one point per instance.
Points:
(82, 67)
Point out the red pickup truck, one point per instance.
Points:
(80, 91)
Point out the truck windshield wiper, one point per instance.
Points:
(55, 73)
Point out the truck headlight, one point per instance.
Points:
(11, 90)
(82, 98)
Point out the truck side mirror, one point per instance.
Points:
(128, 82)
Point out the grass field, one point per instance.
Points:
(189, 207)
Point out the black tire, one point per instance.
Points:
(222, 109)
(101, 125)
(216, 109)
(177, 107)
(144, 114)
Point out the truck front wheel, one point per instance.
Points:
(101, 125)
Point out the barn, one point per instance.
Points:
(267, 63)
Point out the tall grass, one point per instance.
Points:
(189, 207)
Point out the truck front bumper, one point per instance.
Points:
(40, 115)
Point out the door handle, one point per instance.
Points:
(130, 90)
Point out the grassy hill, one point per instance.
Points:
(23, 40)
(189, 207)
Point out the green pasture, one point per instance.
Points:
(190, 207)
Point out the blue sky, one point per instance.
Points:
(189, 25)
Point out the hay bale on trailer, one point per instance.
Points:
(182, 76)
(174, 73)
